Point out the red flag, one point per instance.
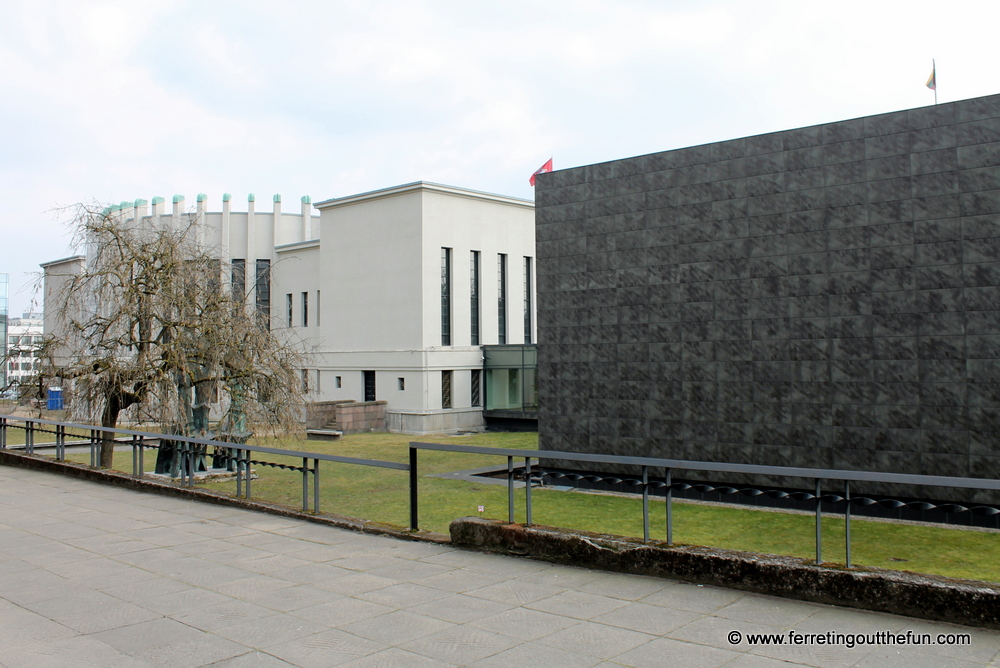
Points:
(547, 167)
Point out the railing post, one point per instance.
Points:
(93, 448)
(135, 456)
(847, 520)
(413, 489)
(29, 437)
(248, 471)
(305, 484)
(3, 433)
(316, 486)
(181, 462)
(236, 452)
(527, 491)
(819, 525)
(645, 504)
(142, 456)
(670, 507)
(510, 489)
(60, 442)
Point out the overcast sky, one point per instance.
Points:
(123, 99)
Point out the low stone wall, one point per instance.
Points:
(353, 417)
(942, 599)
(361, 417)
(318, 413)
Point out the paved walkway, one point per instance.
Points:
(92, 575)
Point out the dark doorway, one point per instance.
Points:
(369, 385)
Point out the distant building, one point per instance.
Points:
(393, 294)
(24, 336)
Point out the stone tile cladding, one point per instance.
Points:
(827, 297)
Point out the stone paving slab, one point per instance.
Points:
(92, 575)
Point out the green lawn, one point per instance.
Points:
(381, 495)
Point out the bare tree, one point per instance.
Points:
(149, 325)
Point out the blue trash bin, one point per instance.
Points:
(55, 399)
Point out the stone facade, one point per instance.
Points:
(825, 297)
(347, 417)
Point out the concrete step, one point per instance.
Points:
(323, 434)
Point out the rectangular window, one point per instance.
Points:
(446, 389)
(319, 381)
(305, 309)
(402, 384)
(263, 285)
(527, 300)
(474, 296)
(369, 385)
(305, 380)
(288, 308)
(445, 296)
(502, 299)
(337, 382)
(477, 375)
(239, 281)
(317, 308)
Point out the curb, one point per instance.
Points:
(953, 600)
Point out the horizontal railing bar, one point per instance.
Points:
(220, 444)
(757, 469)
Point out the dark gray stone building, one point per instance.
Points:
(826, 297)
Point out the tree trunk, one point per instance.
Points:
(109, 419)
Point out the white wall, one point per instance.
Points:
(371, 268)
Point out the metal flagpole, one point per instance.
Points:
(934, 72)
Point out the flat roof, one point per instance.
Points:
(423, 185)
(46, 265)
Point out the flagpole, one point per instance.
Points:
(934, 70)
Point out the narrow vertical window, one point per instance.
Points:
(288, 309)
(239, 281)
(317, 308)
(527, 300)
(319, 381)
(502, 299)
(305, 309)
(263, 285)
(477, 375)
(305, 380)
(445, 296)
(338, 382)
(474, 296)
(446, 389)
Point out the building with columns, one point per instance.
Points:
(393, 294)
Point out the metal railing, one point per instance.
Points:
(668, 485)
(241, 456)
(190, 449)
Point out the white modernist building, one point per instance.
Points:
(392, 293)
